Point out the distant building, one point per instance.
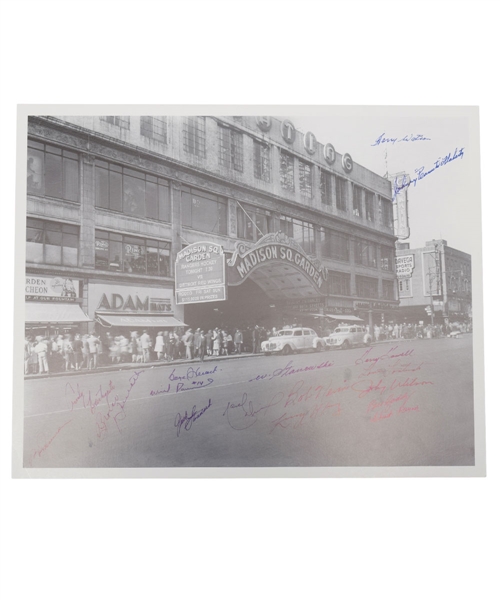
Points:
(434, 282)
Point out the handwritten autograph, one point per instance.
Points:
(188, 420)
(46, 445)
(421, 173)
(289, 369)
(407, 138)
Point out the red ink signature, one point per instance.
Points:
(45, 446)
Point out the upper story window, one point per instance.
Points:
(203, 211)
(365, 253)
(341, 193)
(154, 128)
(334, 245)
(122, 122)
(386, 208)
(300, 231)
(326, 188)
(261, 161)
(253, 223)
(194, 136)
(131, 192)
(339, 284)
(387, 289)
(369, 206)
(366, 287)
(130, 254)
(287, 171)
(230, 148)
(305, 180)
(357, 201)
(51, 243)
(386, 258)
(52, 172)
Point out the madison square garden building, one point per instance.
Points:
(306, 234)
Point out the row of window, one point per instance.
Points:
(54, 172)
(49, 242)
(231, 157)
(339, 284)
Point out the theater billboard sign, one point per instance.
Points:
(200, 274)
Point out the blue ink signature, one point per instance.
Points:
(181, 387)
(290, 370)
(421, 173)
(188, 420)
(192, 373)
(407, 138)
(241, 415)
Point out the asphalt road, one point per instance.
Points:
(404, 404)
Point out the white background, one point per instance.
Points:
(342, 538)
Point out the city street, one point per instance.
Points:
(406, 403)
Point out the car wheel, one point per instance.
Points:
(319, 348)
(286, 350)
(345, 345)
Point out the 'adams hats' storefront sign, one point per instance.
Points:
(273, 248)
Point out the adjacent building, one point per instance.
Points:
(434, 283)
(111, 200)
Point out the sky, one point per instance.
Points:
(445, 203)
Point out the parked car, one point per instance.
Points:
(293, 339)
(347, 336)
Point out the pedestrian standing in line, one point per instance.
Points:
(229, 341)
(42, 351)
(196, 343)
(215, 342)
(69, 353)
(145, 345)
(124, 349)
(93, 343)
(255, 339)
(27, 354)
(187, 338)
(159, 345)
(78, 350)
(238, 341)
(203, 346)
(210, 341)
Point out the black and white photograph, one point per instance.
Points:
(219, 289)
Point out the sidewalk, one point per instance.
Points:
(195, 361)
(149, 365)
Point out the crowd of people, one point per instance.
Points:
(88, 351)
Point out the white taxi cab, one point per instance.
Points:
(293, 339)
(347, 336)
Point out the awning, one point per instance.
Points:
(45, 312)
(344, 317)
(139, 320)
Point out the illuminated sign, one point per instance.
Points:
(115, 298)
(200, 274)
(347, 163)
(329, 153)
(263, 123)
(288, 131)
(405, 265)
(310, 142)
(400, 206)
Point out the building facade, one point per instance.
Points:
(434, 283)
(112, 200)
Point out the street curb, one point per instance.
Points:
(131, 366)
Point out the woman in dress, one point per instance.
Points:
(160, 345)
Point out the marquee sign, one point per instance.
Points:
(273, 248)
(200, 274)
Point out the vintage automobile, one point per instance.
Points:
(293, 339)
(347, 336)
